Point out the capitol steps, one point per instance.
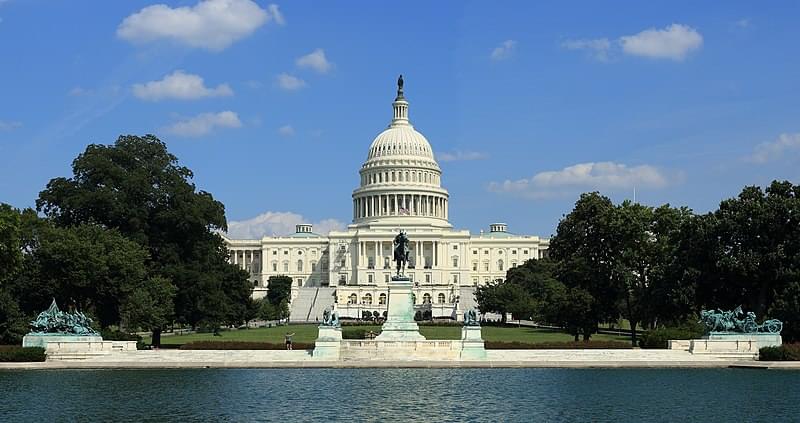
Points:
(309, 304)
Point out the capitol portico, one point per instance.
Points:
(400, 188)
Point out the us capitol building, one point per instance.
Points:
(400, 188)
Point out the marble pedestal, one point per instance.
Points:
(472, 347)
(734, 344)
(76, 347)
(328, 344)
(400, 324)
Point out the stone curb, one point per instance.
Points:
(55, 365)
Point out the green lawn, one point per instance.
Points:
(308, 333)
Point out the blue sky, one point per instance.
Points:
(527, 104)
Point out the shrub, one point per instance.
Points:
(657, 338)
(495, 345)
(240, 345)
(357, 333)
(785, 352)
(13, 353)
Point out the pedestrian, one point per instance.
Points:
(288, 338)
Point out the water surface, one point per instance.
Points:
(398, 395)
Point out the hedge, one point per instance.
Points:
(242, 345)
(785, 352)
(657, 338)
(9, 353)
(616, 345)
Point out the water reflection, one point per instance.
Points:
(526, 395)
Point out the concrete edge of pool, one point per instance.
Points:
(572, 364)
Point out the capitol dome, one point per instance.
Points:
(400, 180)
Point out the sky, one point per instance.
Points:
(526, 104)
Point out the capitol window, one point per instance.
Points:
(299, 265)
(474, 266)
(286, 266)
(370, 278)
(426, 299)
(524, 251)
(455, 261)
(274, 266)
(353, 299)
(486, 266)
(367, 299)
(440, 298)
(382, 299)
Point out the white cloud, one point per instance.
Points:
(9, 125)
(584, 176)
(775, 150)
(276, 14)
(78, 92)
(504, 50)
(286, 130)
(597, 48)
(673, 42)
(743, 23)
(459, 155)
(179, 85)
(277, 223)
(290, 82)
(315, 60)
(204, 123)
(210, 24)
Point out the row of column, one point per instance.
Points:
(246, 258)
(400, 205)
(400, 176)
(379, 254)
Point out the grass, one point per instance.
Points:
(308, 333)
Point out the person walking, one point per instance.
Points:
(288, 338)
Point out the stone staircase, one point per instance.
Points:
(309, 304)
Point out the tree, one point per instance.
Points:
(13, 324)
(754, 247)
(10, 245)
(87, 267)
(279, 289)
(149, 307)
(537, 278)
(137, 187)
(583, 246)
(577, 313)
(502, 298)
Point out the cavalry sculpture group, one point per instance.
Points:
(737, 321)
(56, 322)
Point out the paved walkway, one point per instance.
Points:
(495, 359)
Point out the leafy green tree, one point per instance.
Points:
(138, 188)
(86, 267)
(538, 279)
(503, 298)
(150, 306)
(577, 313)
(10, 242)
(279, 289)
(13, 323)
(583, 246)
(754, 249)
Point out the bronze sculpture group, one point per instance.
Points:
(56, 322)
(737, 321)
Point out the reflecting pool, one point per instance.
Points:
(424, 395)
